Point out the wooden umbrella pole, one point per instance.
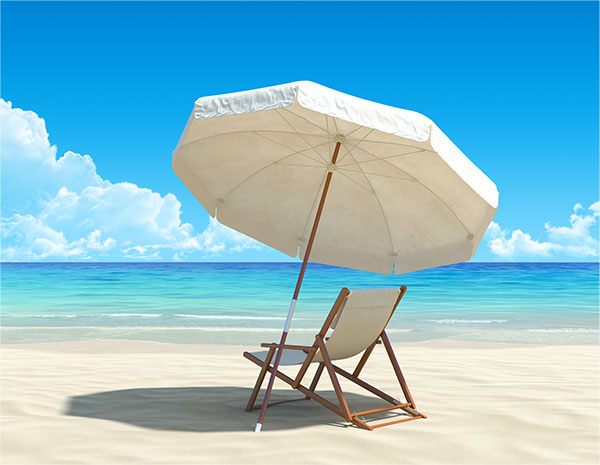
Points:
(297, 290)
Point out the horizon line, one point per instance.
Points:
(279, 262)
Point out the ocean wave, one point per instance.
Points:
(229, 317)
(451, 322)
(92, 315)
(45, 316)
(162, 328)
(241, 329)
(563, 330)
(156, 315)
(117, 315)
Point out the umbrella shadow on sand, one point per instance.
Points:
(207, 409)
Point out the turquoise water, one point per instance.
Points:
(246, 303)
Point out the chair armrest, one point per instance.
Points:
(285, 346)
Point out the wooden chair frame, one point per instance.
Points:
(309, 392)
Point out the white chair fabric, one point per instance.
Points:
(359, 322)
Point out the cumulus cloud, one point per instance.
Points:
(62, 209)
(217, 237)
(31, 172)
(579, 240)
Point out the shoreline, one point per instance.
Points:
(132, 345)
(10, 335)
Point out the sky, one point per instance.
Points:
(96, 95)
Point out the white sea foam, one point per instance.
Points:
(164, 328)
(46, 316)
(564, 330)
(156, 315)
(229, 317)
(117, 315)
(93, 315)
(452, 322)
(265, 330)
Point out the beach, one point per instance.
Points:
(109, 402)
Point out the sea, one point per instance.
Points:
(246, 303)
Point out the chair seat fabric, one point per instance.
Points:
(359, 322)
(289, 357)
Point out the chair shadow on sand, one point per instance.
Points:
(210, 409)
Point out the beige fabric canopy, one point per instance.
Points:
(402, 196)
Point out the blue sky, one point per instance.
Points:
(514, 85)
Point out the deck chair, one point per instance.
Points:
(358, 319)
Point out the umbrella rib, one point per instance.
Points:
(303, 138)
(424, 185)
(328, 135)
(301, 117)
(354, 181)
(395, 143)
(351, 132)
(356, 145)
(385, 161)
(354, 130)
(290, 132)
(301, 152)
(230, 133)
(387, 225)
(314, 203)
(377, 174)
(259, 170)
(300, 166)
(241, 132)
(385, 158)
(215, 135)
(337, 131)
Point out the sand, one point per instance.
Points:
(116, 402)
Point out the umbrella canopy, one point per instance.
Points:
(402, 196)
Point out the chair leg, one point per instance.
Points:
(317, 377)
(260, 379)
(399, 375)
(334, 380)
(364, 359)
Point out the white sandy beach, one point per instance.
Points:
(116, 402)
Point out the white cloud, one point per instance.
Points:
(576, 241)
(25, 237)
(61, 209)
(217, 237)
(31, 173)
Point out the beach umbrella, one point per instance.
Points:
(385, 187)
